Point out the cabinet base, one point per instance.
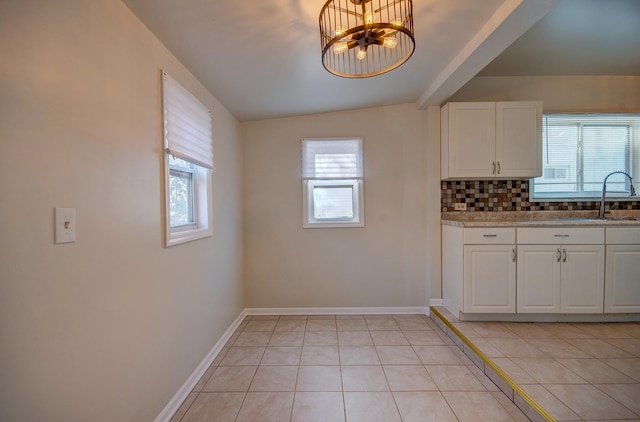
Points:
(550, 317)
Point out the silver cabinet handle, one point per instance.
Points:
(494, 168)
(489, 235)
(498, 167)
(515, 255)
(558, 254)
(560, 235)
(564, 255)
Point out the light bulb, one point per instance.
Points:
(390, 42)
(368, 18)
(340, 31)
(362, 53)
(340, 47)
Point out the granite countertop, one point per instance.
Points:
(540, 219)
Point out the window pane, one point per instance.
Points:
(605, 150)
(580, 150)
(333, 202)
(181, 192)
(559, 159)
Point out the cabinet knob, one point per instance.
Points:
(493, 171)
(564, 255)
(514, 254)
(498, 167)
(558, 255)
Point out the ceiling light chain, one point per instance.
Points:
(362, 38)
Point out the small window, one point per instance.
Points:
(332, 183)
(188, 165)
(580, 150)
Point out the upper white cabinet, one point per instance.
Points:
(491, 140)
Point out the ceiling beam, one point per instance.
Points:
(512, 19)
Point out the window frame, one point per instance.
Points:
(313, 176)
(188, 136)
(632, 163)
(308, 214)
(202, 225)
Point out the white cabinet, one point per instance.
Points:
(489, 140)
(479, 270)
(489, 279)
(622, 277)
(560, 270)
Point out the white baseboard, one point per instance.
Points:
(174, 404)
(436, 302)
(385, 310)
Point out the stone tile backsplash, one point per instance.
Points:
(509, 195)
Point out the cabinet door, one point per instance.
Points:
(539, 278)
(471, 143)
(582, 279)
(519, 139)
(622, 281)
(489, 279)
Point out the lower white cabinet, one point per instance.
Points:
(622, 277)
(561, 277)
(534, 270)
(479, 270)
(489, 279)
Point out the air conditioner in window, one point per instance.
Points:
(556, 172)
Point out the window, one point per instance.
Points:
(580, 150)
(188, 164)
(332, 172)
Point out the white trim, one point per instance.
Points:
(386, 310)
(436, 302)
(176, 401)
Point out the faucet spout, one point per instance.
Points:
(604, 190)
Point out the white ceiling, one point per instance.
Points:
(261, 59)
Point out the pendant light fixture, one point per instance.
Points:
(362, 38)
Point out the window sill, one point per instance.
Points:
(587, 199)
(185, 236)
(332, 225)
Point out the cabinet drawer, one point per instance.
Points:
(623, 235)
(490, 236)
(560, 235)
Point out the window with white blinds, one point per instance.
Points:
(332, 158)
(580, 150)
(188, 146)
(187, 124)
(332, 173)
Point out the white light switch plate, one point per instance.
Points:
(65, 225)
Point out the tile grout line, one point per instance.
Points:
(487, 361)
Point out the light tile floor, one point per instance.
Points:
(576, 371)
(346, 368)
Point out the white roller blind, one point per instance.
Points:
(188, 131)
(332, 159)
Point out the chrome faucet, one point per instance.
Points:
(604, 190)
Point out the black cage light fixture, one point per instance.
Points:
(362, 38)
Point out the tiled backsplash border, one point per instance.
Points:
(509, 195)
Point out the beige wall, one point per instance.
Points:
(382, 264)
(558, 93)
(109, 327)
